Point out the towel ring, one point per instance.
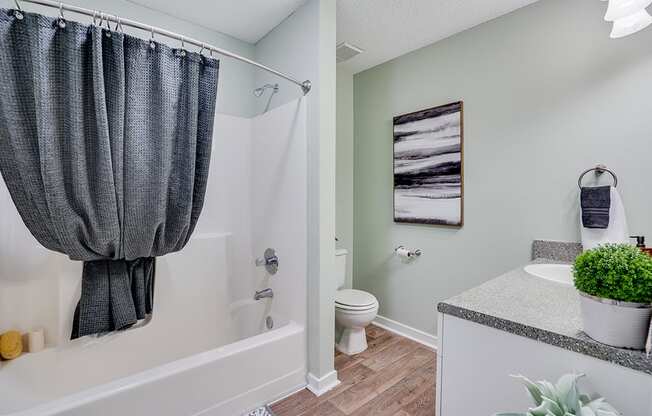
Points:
(599, 170)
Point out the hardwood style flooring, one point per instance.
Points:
(393, 377)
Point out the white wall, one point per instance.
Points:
(304, 47)
(344, 168)
(290, 48)
(236, 79)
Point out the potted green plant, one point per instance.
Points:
(615, 284)
(562, 399)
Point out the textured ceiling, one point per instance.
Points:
(386, 29)
(247, 20)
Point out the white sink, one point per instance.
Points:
(559, 273)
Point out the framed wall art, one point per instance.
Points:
(429, 166)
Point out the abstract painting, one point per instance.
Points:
(428, 166)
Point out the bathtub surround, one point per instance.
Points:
(99, 209)
(546, 94)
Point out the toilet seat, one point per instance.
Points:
(355, 300)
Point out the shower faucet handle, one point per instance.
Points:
(269, 261)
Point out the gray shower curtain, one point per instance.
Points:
(104, 146)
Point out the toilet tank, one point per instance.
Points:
(340, 267)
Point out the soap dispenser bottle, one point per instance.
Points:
(640, 243)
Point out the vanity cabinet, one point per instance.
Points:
(474, 362)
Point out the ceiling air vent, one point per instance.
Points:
(346, 51)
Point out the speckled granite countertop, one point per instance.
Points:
(535, 308)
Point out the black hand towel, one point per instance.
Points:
(595, 202)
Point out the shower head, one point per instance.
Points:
(258, 92)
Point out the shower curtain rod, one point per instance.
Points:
(119, 22)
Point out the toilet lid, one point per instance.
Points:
(355, 298)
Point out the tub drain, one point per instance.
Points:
(269, 322)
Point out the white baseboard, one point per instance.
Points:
(403, 330)
(319, 386)
(287, 394)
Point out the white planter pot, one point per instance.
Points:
(615, 323)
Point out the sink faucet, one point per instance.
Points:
(265, 293)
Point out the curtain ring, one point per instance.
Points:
(202, 49)
(62, 18)
(118, 24)
(94, 17)
(152, 44)
(18, 14)
(106, 17)
(182, 52)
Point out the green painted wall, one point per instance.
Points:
(546, 95)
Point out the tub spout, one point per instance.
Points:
(265, 293)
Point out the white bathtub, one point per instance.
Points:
(207, 351)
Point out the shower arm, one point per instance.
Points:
(119, 22)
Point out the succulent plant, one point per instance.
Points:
(562, 399)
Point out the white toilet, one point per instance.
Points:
(354, 310)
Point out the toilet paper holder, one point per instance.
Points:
(401, 251)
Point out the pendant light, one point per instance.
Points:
(628, 16)
(618, 9)
(631, 24)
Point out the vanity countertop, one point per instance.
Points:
(535, 308)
